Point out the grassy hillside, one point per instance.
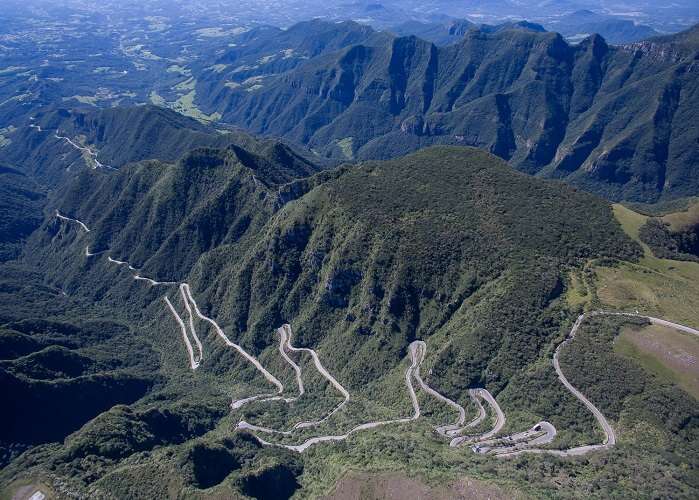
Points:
(664, 352)
(660, 287)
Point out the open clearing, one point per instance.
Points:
(680, 220)
(666, 352)
(25, 490)
(656, 287)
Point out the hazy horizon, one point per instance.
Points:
(662, 16)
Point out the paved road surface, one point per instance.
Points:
(152, 282)
(443, 429)
(610, 436)
(416, 356)
(83, 149)
(63, 217)
(193, 361)
(271, 378)
(325, 373)
(285, 334)
(500, 421)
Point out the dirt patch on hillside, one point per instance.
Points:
(396, 486)
(668, 353)
(33, 491)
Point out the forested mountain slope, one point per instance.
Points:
(448, 245)
(164, 216)
(368, 258)
(389, 252)
(47, 146)
(59, 145)
(617, 121)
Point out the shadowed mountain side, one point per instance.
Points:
(21, 200)
(616, 121)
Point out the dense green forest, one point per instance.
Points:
(448, 245)
(669, 244)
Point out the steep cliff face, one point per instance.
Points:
(612, 120)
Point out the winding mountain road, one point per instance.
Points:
(188, 298)
(192, 330)
(138, 277)
(500, 421)
(507, 446)
(443, 429)
(91, 254)
(271, 378)
(83, 149)
(321, 369)
(417, 350)
(285, 334)
(68, 219)
(415, 355)
(152, 282)
(284, 341)
(540, 434)
(610, 436)
(478, 419)
(193, 362)
(458, 427)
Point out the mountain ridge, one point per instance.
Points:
(531, 98)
